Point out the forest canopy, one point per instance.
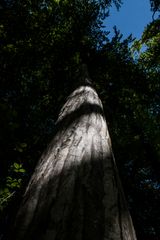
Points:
(42, 44)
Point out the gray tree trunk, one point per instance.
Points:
(75, 192)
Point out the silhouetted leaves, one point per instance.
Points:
(42, 44)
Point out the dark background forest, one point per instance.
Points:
(42, 45)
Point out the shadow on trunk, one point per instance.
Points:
(75, 192)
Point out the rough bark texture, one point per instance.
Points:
(75, 192)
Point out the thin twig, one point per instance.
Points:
(8, 197)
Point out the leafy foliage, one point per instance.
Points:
(146, 167)
(155, 5)
(12, 184)
(42, 45)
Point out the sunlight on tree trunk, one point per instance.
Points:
(75, 192)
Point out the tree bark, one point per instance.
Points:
(75, 192)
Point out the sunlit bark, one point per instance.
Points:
(75, 192)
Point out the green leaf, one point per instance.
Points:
(16, 165)
(22, 170)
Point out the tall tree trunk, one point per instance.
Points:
(75, 192)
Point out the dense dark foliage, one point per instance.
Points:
(42, 44)
(155, 6)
